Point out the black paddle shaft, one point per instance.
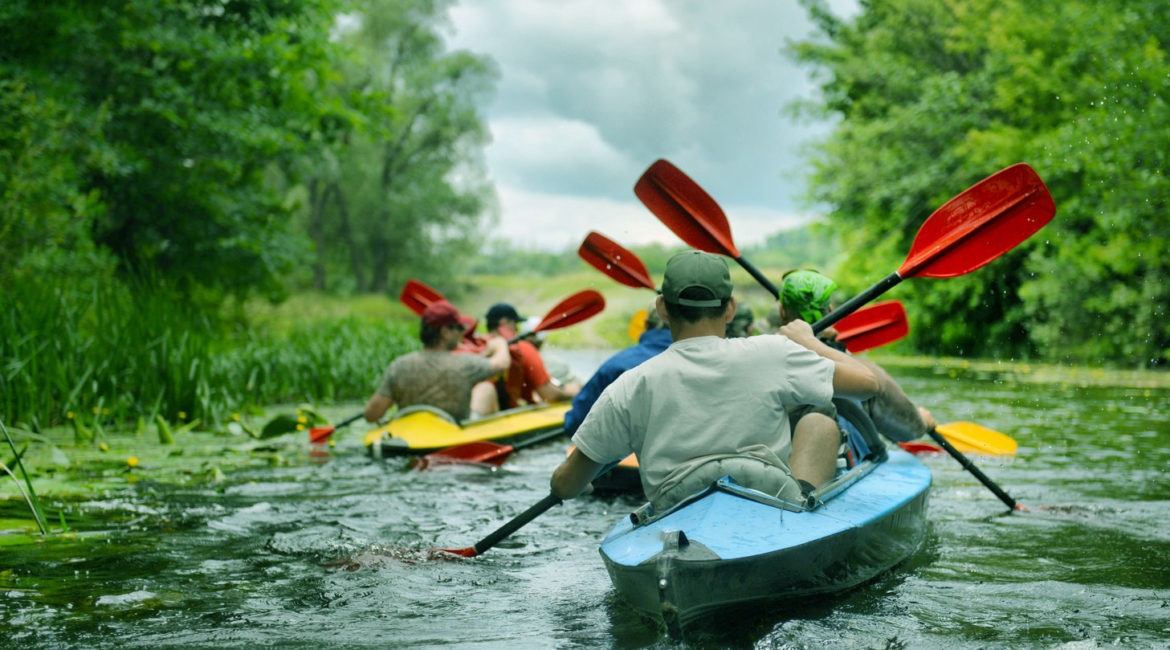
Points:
(856, 302)
(349, 421)
(528, 515)
(970, 467)
(755, 273)
(516, 524)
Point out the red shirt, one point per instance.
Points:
(526, 373)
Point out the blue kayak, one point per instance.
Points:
(728, 545)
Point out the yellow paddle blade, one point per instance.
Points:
(973, 438)
(637, 324)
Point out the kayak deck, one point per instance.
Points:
(425, 430)
(728, 544)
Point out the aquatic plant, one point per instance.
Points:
(141, 352)
(30, 495)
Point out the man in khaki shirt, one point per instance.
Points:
(710, 406)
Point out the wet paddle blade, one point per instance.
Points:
(418, 296)
(574, 309)
(985, 221)
(873, 326)
(477, 452)
(971, 437)
(462, 552)
(607, 256)
(685, 208)
(920, 447)
(319, 435)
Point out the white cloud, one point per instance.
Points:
(559, 221)
(591, 93)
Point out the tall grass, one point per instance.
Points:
(119, 353)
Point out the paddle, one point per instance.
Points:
(972, 229)
(515, 524)
(612, 259)
(970, 467)
(480, 451)
(692, 214)
(637, 324)
(983, 222)
(318, 435)
(418, 296)
(574, 309)
(971, 437)
(873, 326)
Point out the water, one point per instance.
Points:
(335, 553)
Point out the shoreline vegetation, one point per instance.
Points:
(314, 355)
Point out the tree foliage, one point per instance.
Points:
(402, 191)
(933, 96)
(183, 105)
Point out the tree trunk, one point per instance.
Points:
(317, 232)
(355, 251)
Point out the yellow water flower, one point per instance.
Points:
(103, 446)
(69, 415)
(300, 427)
(182, 415)
(132, 461)
(236, 417)
(302, 419)
(96, 410)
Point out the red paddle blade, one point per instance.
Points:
(418, 296)
(685, 208)
(985, 221)
(463, 552)
(610, 258)
(574, 309)
(318, 435)
(919, 448)
(479, 451)
(873, 326)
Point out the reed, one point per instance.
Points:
(128, 352)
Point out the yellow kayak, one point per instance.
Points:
(423, 429)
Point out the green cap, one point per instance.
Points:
(807, 293)
(696, 270)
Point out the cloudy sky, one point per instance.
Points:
(590, 93)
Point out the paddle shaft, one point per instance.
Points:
(348, 421)
(522, 519)
(856, 302)
(970, 467)
(755, 273)
(517, 523)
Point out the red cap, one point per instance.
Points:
(443, 314)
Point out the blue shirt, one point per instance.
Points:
(650, 344)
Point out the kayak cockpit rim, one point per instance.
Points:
(645, 514)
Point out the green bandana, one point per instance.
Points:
(807, 293)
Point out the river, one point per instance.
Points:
(254, 560)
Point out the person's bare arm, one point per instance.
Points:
(550, 392)
(376, 407)
(498, 355)
(851, 378)
(574, 475)
(891, 409)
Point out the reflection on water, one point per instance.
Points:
(337, 554)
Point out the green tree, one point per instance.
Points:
(932, 96)
(404, 189)
(184, 104)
